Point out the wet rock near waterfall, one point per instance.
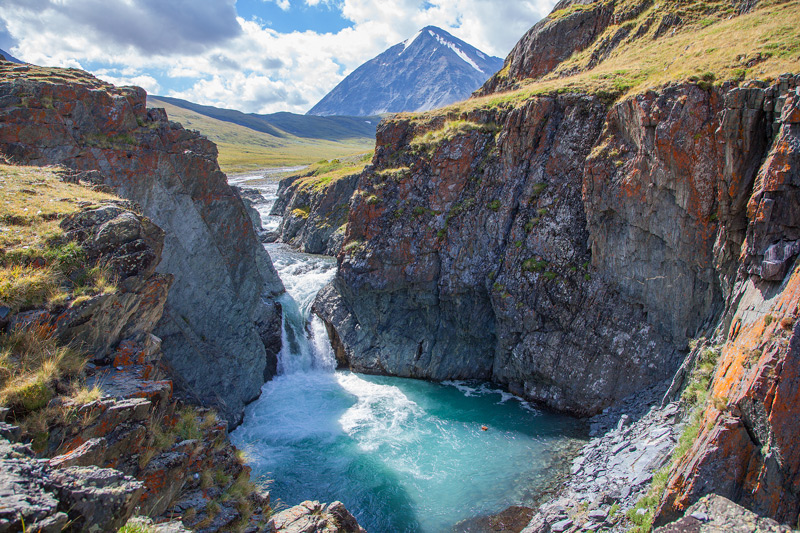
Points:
(312, 516)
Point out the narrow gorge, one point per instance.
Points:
(568, 303)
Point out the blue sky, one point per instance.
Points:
(258, 56)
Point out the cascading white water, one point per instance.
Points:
(403, 455)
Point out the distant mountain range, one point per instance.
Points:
(251, 141)
(9, 57)
(280, 124)
(430, 70)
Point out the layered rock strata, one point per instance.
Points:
(221, 325)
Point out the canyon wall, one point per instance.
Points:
(314, 216)
(746, 448)
(221, 324)
(559, 247)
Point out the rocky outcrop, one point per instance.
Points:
(474, 262)
(37, 497)
(746, 447)
(480, 255)
(715, 513)
(220, 327)
(314, 216)
(572, 26)
(315, 517)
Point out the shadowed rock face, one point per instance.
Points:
(220, 324)
(562, 248)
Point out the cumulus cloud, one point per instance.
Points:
(148, 83)
(201, 51)
(150, 26)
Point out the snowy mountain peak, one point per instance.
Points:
(430, 69)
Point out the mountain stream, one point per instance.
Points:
(402, 455)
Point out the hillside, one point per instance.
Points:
(248, 141)
(429, 70)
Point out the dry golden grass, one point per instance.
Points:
(32, 202)
(31, 363)
(36, 264)
(323, 173)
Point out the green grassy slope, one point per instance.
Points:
(243, 148)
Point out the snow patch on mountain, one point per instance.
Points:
(409, 42)
(459, 52)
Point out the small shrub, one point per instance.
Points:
(418, 211)
(187, 427)
(85, 395)
(494, 205)
(138, 524)
(550, 275)
(353, 246)
(534, 265)
(301, 212)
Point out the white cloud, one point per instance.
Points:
(283, 4)
(148, 83)
(242, 64)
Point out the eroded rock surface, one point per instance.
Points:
(315, 517)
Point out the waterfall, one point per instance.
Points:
(305, 344)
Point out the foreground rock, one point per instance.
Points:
(314, 517)
(714, 514)
(220, 327)
(37, 497)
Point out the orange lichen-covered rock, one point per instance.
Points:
(747, 449)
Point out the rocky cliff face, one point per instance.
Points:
(221, 326)
(314, 217)
(746, 449)
(520, 251)
(569, 250)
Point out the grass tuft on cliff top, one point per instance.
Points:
(710, 46)
(324, 173)
(37, 266)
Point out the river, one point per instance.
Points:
(403, 455)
